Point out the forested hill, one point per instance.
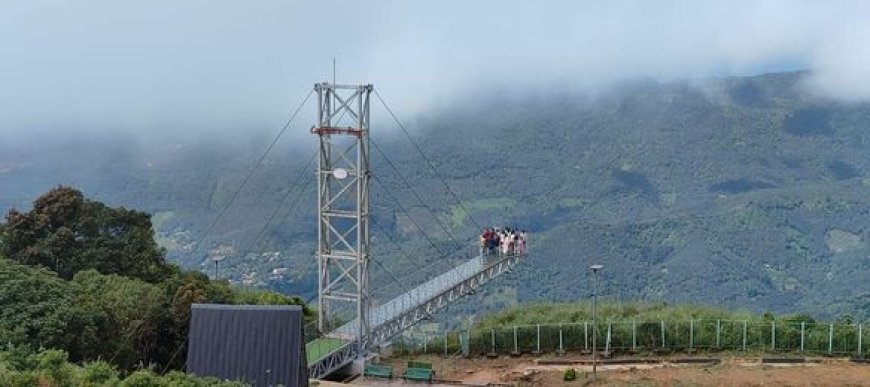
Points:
(741, 192)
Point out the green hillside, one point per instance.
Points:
(736, 192)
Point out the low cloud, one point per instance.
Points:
(167, 67)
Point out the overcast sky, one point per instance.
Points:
(145, 66)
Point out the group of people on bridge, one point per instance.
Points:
(503, 241)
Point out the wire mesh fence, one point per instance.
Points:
(629, 337)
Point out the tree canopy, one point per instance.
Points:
(90, 280)
(68, 233)
(37, 309)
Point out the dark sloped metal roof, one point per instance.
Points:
(258, 344)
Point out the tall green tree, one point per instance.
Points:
(131, 313)
(37, 309)
(91, 280)
(68, 233)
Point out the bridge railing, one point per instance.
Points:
(423, 292)
(391, 318)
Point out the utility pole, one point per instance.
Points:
(343, 174)
(595, 269)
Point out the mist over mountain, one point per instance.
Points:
(747, 192)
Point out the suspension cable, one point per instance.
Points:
(390, 273)
(423, 155)
(404, 211)
(414, 192)
(247, 178)
(404, 253)
(302, 174)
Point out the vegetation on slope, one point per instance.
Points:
(567, 313)
(642, 328)
(739, 192)
(89, 280)
(52, 368)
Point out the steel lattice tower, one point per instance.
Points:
(343, 175)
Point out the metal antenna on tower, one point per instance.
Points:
(343, 175)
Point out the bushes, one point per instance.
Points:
(98, 373)
(53, 363)
(52, 368)
(569, 375)
(566, 313)
(81, 277)
(142, 378)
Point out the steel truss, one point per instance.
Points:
(334, 361)
(426, 308)
(343, 176)
(420, 310)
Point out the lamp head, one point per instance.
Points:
(340, 173)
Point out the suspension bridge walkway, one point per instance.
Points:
(344, 249)
(337, 349)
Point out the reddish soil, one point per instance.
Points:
(526, 371)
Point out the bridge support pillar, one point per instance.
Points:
(343, 173)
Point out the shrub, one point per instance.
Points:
(180, 379)
(18, 358)
(20, 379)
(143, 378)
(53, 363)
(99, 373)
(569, 375)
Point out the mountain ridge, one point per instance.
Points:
(685, 190)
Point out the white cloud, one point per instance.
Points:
(205, 65)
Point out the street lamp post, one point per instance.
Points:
(595, 269)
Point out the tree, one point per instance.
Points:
(131, 313)
(122, 303)
(37, 309)
(68, 233)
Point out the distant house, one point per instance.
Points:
(272, 256)
(280, 270)
(220, 253)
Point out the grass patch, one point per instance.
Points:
(321, 347)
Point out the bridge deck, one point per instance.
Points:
(417, 296)
(391, 318)
(321, 347)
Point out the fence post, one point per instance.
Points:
(744, 335)
(492, 339)
(773, 335)
(402, 342)
(634, 335)
(830, 339)
(663, 334)
(691, 333)
(609, 325)
(803, 334)
(538, 347)
(718, 334)
(445, 343)
(860, 333)
(586, 335)
(561, 348)
(516, 347)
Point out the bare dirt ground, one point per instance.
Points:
(526, 371)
